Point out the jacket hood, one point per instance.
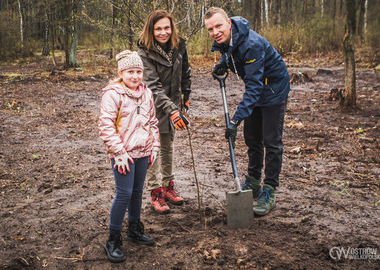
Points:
(123, 90)
(240, 30)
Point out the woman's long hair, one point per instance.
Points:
(147, 35)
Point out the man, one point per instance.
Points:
(262, 108)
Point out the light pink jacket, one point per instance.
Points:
(128, 122)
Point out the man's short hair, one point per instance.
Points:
(213, 10)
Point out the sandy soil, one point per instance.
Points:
(57, 186)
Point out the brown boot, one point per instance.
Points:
(158, 202)
(170, 195)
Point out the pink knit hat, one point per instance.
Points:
(127, 59)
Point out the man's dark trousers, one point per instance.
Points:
(263, 131)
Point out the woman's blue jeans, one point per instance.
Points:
(129, 190)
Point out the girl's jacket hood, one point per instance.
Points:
(261, 67)
(127, 121)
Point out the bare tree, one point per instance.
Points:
(266, 13)
(114, 23)
(21, 24)
(322, 8)
(66, 38)
(247, 11)
(74, 12)
(365, 18)
(257, 24)
(360, 25)
(45, 48)
(277, 19)
(349, 56)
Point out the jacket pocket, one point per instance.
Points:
(269, 87)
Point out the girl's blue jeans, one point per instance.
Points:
(129, 190)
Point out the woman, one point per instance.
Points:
(167, 74)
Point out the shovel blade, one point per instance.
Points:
(239, 209)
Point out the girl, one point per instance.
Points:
(167, 73)
(128, 127)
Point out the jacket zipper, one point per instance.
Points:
(233, 63)
(266, 83)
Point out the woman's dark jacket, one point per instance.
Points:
(167, 80)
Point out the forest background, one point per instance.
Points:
(60, 28)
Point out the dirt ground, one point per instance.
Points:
(57, 185)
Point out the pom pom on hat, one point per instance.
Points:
(127, 59)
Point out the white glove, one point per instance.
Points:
(152, 158)
(121, 163)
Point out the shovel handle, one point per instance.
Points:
(227, 118)
(221, 79)
(233, 163)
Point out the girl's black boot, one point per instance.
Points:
(136, 234)
(113, 248)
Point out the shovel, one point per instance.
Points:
(239, 202)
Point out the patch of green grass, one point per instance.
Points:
(343, 185)
(359, 130)
(13, 75)
(376, 203)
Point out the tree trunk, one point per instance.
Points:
(269, 13)
(114, 16)
(278, 12)
(130, 32)
(334, 17)
(322, 8)
(349, 56)
(304, 10)
(360, 28)
(288, 14)
(75, 6)
(45, 49)
(266, 14)
(53, 33)
(67, 32)
(247, 11)
(21, 24)
(340, 7)
(365, 19)
(257, 24)
(74, 45)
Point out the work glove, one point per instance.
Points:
(122, 163)
(220, 69)
(231, 131)
(178, 120)
(152, 158)
(186, 100)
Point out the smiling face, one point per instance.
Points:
(162, 31)
(132, 77)
(219, 28)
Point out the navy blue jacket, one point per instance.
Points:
(261, 67)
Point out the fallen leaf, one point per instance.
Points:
(206, 255)
(214, 253)
(295, 150)
(298, 125)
